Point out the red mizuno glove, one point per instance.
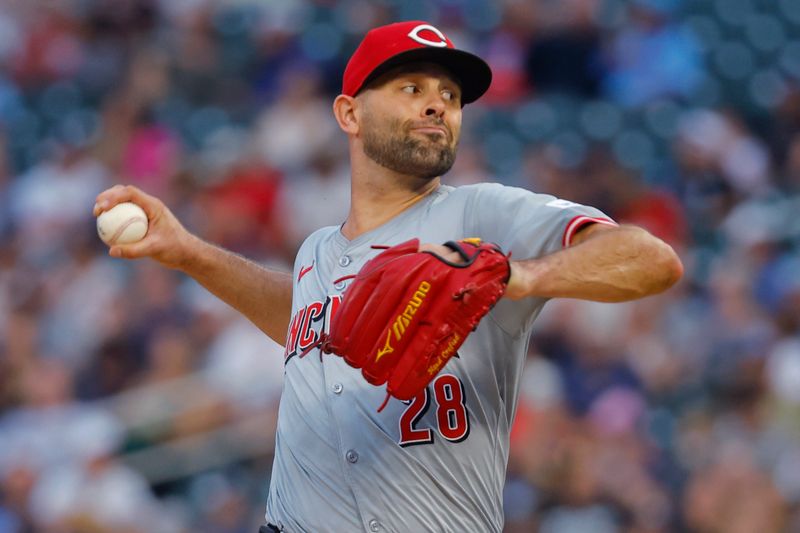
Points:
(406, 313)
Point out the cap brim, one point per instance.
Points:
(473, 73)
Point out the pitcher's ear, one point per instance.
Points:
(345, 110)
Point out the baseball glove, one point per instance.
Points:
(406, 313)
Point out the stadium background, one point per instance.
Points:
(130, 401)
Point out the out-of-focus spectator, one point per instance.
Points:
(55, 434)
(505, 52)
(223, 504)
(5, 182)
(97, 494)
(242, 210)
(733, 495)
(47, 201)
(565, 55)
(151, 157)
(244, 367)
(316, 198)
(82, 277)
(297, 126)
(634, 76)
(791, 172)
(51, 415)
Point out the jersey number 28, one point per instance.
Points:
(451, 413)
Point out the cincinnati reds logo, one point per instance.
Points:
(414, 34)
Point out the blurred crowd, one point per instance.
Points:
(133, 402)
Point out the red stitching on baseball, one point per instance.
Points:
(124, 226)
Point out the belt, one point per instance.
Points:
(269, 528)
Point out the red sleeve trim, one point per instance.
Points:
(577, 223)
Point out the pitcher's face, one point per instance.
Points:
(411, 120)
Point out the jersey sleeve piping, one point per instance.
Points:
(577, 223)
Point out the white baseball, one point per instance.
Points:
(122, 224)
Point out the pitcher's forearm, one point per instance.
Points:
(261, 294)
(614, 265)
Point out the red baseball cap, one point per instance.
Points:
(389, 46)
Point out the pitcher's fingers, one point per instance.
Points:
(109, 198)
(442, 251)
(439, 249)
(125, 193)
(135, 250)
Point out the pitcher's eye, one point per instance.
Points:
(410, 89)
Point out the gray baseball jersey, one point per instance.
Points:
(437, 462)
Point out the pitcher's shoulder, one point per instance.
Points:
(491, 192)
(463, 192)
(487, 188)
(318, 240)
(320, 235)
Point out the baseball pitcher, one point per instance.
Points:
(403, 354)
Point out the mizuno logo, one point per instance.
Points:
(402, 321)
(387, 348)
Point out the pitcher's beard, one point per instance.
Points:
(396, 150)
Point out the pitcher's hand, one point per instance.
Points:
(167, 241)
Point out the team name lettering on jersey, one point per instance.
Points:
(307, 324)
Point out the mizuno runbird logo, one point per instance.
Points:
(400, 324)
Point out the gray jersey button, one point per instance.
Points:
(352, 456)
(344, 260)
(339, 285)
(374, 525)
(337, 388)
